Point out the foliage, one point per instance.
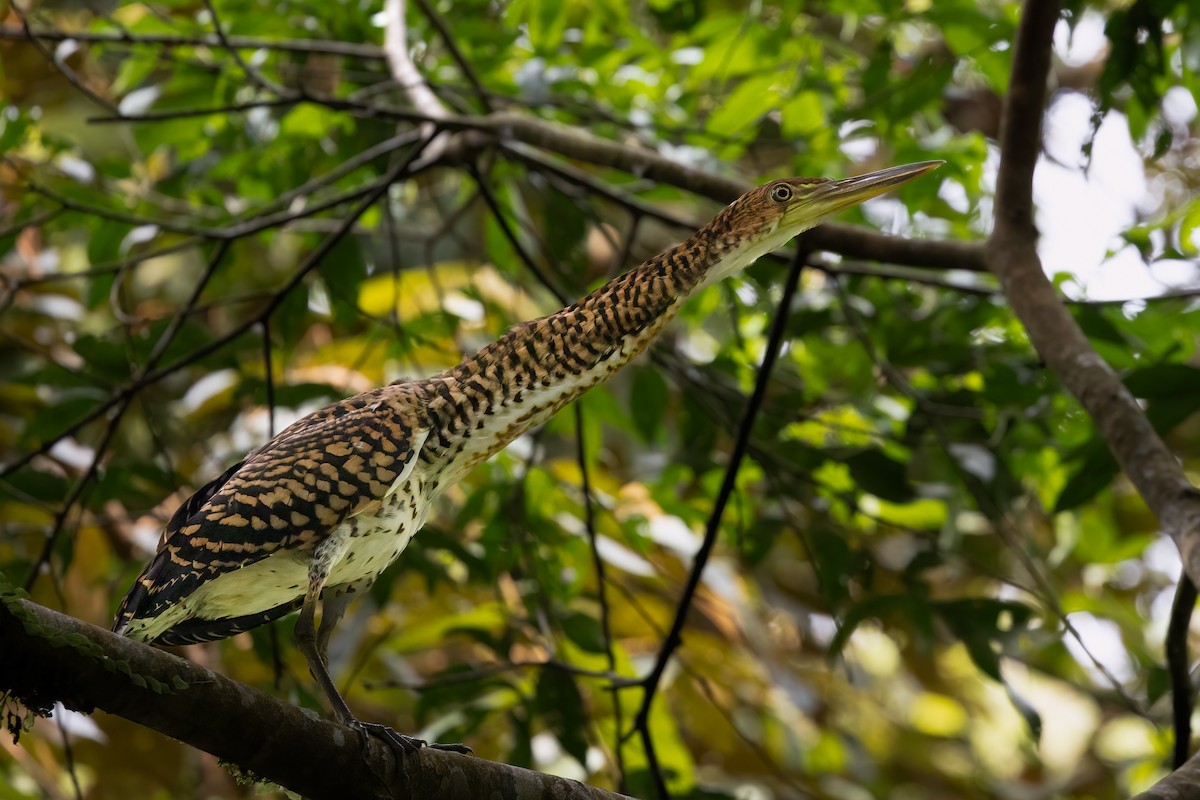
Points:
(930, 579)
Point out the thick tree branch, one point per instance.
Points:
(1012, 256)
(84, 666)
(847, 240)
(1182, 784)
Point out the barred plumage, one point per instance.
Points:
(314, 516)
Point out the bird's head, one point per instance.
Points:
(767, 217)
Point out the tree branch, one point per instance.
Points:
(368, 52)
(1182, 784)
(464, 64)
(674, 639)
(848, 240)
(59, 63)
(1012, 256)
(48, 656)
(252, 72)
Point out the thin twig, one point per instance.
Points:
(460, 677)
(69, 757)
(741, 444)
(215, 345)
(498, 214)
(589, 521)
(59, 64)
(251, 72)
(208, 111)
(975, 488)
(366, 52)
(114, 423)
(387, 146)
(465, 66)
(269, 377)
(75, 493)
(35, 221)
(235, 230)
(1179, 669)
(110, 267)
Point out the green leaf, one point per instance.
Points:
(584, 631)
(50, 420)
(104, 244)
(880, 475)
(913, 608)
(1094, 475)
(1167, 381)
(983, 625)
(289, 316)
(559, 702)
(648, 398)
(803, 114)
(12, 128)
(745, 106)
(836, 564)
(306, 121)
(759, 539)
(1158, 683)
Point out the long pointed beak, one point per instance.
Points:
(838, 195)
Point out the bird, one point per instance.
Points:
(309, 520)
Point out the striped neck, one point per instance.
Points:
(523, 378)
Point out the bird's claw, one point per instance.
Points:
(399, 742)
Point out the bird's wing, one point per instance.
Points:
(288, 496)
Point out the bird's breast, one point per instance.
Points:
(368, 542)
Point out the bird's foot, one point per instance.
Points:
(399, 742)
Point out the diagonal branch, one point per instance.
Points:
(741, 445)
(404, 71)
(1012, 256)
(379, 188)
(406, 74)
(251, 72)
(1181, 784)
(464, 64)
(1144, 457)
(60, 64)
(49, 656)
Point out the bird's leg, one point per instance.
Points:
(314, 644)
(306, 638)
(334, 601)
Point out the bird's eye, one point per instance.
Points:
(781, 193)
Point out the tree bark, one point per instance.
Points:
(48, 657)
(1182, 784)
(1012, 257)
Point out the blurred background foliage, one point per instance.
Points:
(930, 582)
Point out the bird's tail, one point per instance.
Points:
(137, 598)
